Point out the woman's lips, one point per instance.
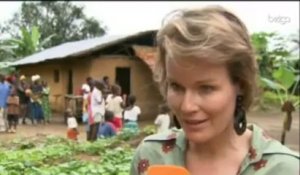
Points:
(195, 124)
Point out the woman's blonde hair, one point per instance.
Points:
(212, 33)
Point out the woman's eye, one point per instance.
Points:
(207, 88)
(175, 87)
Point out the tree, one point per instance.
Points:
(65, 20)
(283, 79)
(279, 78)
(271, 52)
(27, 44)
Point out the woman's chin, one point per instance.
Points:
(198, 137)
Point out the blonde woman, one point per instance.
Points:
(206, 70)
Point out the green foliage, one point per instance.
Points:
(273, 99)
(6, 52)
(27, 44)
(282, 80)
(58, 156)
(284, 76)
(278, 67)
(269, 56)
(126, 134)
(150, 129)
(260, 42)
(5, 68)
(66, 20)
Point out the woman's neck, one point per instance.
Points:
(224, 144)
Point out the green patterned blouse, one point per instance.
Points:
(266, 156)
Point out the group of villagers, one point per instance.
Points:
(23, 99)
(105, 111)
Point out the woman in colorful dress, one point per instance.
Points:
(36, 100)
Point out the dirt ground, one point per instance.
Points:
(271, 121)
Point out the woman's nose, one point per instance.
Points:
(190, 102)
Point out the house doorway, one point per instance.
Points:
(123, 79)
(70, 82)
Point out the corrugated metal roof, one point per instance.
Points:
(74, 48)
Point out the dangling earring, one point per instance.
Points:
(240, 122)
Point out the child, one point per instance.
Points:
(115, 104)
(13, 106)
(72, 132)
(131, 114)
(107, 128)
(162, 121)
(86, 92)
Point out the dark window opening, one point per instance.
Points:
(70, 82)
(56, 76)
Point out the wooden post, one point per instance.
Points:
(287, 107)
(283, 137)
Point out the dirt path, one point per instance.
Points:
(271, 121)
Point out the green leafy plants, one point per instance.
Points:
(284, 78)
(58, 156)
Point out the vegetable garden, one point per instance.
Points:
(52, 155)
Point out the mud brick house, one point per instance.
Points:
(126, 59)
